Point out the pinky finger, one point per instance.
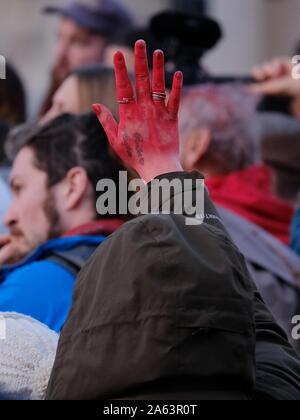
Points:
(174, 100)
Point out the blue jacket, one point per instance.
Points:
(296, 233)
(41, 287)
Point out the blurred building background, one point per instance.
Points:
(255, 30)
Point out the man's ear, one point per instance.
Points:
(195, 148)
(76, 185)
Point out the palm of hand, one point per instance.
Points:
(147, 137)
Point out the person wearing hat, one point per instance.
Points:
(184, 37)
(85, 29)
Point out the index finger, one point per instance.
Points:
(123, 83)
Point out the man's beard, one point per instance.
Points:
(21, 245)
(54, 227)
(53, 217)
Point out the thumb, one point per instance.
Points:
(6, 254)
(4, 240)
(107, 121)
(273, 87)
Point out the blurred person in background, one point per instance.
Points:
(5, 197)
(280, 144)
(86, 28)
(295, 229)
(185, 38)
(26, 358)
(276, 78)
(5, 200)
(220, 138)
(280, 77)
(52, 221)
(82, 88)
(12, 98)
(12, 112)
(4, 129)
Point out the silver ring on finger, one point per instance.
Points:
(159, 96)
(125, 101)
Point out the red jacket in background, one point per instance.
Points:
(250, 193)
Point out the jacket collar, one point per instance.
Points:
(100, 227)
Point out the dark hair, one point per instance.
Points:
(3, 133)
(96, 83)
(12, 98)
(70, 141)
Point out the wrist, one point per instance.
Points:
(159, 169)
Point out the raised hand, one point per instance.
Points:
(147, 137)
(275, 78)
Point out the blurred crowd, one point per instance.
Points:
(66, 272)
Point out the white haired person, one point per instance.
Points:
(220, 138)
(27, 353)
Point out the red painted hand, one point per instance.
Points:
(147, 138)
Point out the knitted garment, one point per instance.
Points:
(27, 353)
